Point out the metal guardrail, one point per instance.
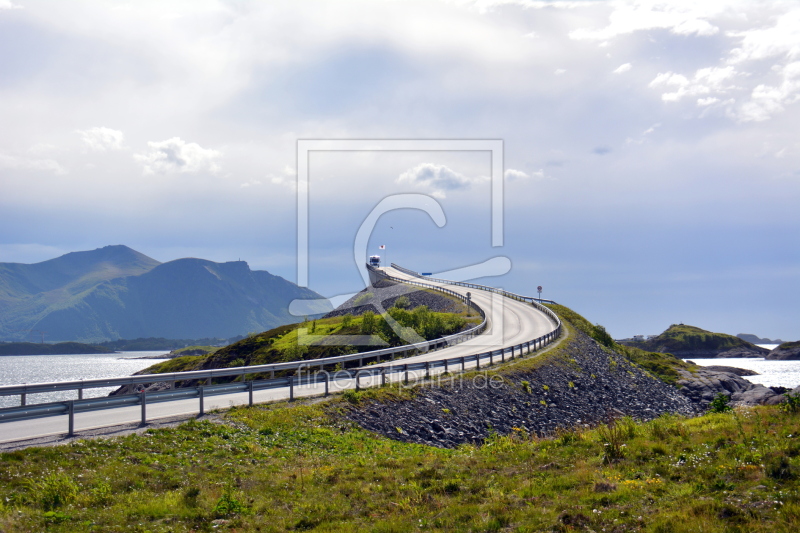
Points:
(24, 412)
(472, 285)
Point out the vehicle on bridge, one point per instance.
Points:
(375, 260)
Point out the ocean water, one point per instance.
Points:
(771, 373)
(18, 369)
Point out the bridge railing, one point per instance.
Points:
(537, 302)
(304, 377)
(174, 377)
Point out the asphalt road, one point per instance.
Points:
(510, 323)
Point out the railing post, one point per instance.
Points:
(463, 364)
(326, 383)
(478, 361)
(427, 370)
(291, 388)
(405, 368)
(358, 373)
(446, 367)
(503, 354)
(383, 376)
(200, 396)
(491, 357)
(143, 401)
(23, 399)
(71, 415)
(80, 393)
(250, 393)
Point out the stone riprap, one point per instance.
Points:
(578, 385)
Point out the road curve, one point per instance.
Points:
(509, 322)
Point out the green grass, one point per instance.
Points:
(301, 468)
(664, 366)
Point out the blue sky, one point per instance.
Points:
(651, 153)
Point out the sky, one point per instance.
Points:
(650, 149)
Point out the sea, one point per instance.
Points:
(18, 369)
(770, 373)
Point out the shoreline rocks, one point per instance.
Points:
(787, 351)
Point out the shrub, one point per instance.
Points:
(53, 491)
(347, 320)
(402, 302)
(792, 403)
(368, 323)
(719, 404)
(227, 505)
(526, 386)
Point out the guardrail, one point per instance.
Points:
(472, 285)
(70, 407)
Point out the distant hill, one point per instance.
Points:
(749, 337)
(61, 348)
(116, 292)
(690, 341)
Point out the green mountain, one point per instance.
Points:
(690, 341)
(116, 292)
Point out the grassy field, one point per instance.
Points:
(301, 468)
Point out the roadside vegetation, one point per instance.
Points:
(301, 468)
(664, 366)
(327, 337)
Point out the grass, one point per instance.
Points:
(301, 468)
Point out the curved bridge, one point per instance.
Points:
(513, 326)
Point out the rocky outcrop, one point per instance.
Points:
(731, 370)
(785, 352)
(754, 339)
(580, 384)
(702, 385)
(685, 342)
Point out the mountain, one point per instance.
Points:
(116, 292)
(690, 341)
(754, 339)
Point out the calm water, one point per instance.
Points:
(17, 369)
(772, 373)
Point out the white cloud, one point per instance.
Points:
(23, 163)
(707, 101)
(101, 138)
(705, 81)
(286, 178)
(176, 155)
(781, 40)
(7, 4)
(518, 175)
(681, 17)
(438, 179)
(625, 67)
(560, 71)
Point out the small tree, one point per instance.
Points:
(368, 323)
(720, 404)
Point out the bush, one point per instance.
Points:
(719, 404)
(53, 491)
(792, 403)
(402, 303)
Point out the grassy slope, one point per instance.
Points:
(279, 345)
(299, 468)
(662, 365)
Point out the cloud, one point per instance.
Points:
(625, 67)
(438, 179)
(560, 71)
(176, 155)
(705, 81)
(286, 178)
(602, 150)
(23, 163)
(766, 100)
(518, 175)
(101, 138)
(681, 18)
(7, 4)
(781, 40)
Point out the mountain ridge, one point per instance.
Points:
(116, 292)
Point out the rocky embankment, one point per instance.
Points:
(385, 293)
(579, 384)
(785, 352)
